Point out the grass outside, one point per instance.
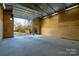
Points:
(21, 33)
(0, 37)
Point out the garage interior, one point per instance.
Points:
(54, 30)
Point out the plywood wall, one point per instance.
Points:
(63, 25)
(8, 24)
(1, 22)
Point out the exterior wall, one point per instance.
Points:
(64, 25)
(1, 22)
(8, 24)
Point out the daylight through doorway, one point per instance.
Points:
(22, 26)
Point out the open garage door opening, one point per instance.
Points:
(22, 26)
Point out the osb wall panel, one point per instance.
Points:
(64, 25)
(1, 22)
(50, 26)
(70, 30)
(8, 24)
(69, 24)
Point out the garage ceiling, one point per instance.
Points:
(32, 10)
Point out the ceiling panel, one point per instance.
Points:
(69, 4)
(46, 8)
(57, 6)
(23, 12)
(32, 10)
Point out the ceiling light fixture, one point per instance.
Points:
(11, 19)
(51, 15)
(54, 14)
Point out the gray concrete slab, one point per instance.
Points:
(38, 45)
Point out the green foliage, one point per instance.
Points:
(22, 30)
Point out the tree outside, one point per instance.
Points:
(22, 26)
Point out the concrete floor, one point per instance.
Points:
(38, 45)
